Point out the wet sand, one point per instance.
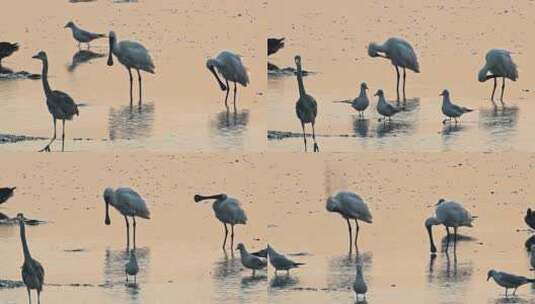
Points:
(333, 40)
(183, 107)
(284, 197)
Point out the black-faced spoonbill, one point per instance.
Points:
(231, 68)
(228, 211)
(6, 193)
(132, 55)
(6, 49)
(449, 214)
(351, 207)
(450, 109)
(33, 274)
(401, 54)
(81, 35)
(306, 107)
(507, 280)
(129, 203)
(60, 105)
(498, 63)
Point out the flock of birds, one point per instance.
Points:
(498, 64)
(133, 56)
(228, 210)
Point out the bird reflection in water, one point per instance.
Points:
(230, 126)
(361, 126)
(451, 271)
(499, 121)
(114, 270)
(131, 122)
(341, 269)
(83, 56)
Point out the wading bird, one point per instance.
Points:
(498, 63)
(60, 105)
(274, 45)
(507, 280)
(81, 35)
(361, 103)
(306, 107)
(250, 261)
(351, 207)
(6, 49)
(33, 274)
(401, 54)
(449, 214)
(132, 55)
(451, 110)
(230, 67)
(280, 262)
(359, 286)
(228, 211)
(384, 108)
(6, 193)
(529, 218)
(129, 203)
(131, 268)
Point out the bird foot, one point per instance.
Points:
(45, 149)
(316, 147)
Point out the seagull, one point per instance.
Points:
(280, 262)
(400, 53)
(33, 274)
(131, 268)
(451, 110)
(250, 261)
(350, 206)
(530, 218)
(231, 68)
(507, 280)
(274, 45)
(499, 64)
(228, 211)
(6, 193)
(6, 49)
(359, 286)
(449, 214)
(129, 203)
(361, 103)
(82, 36)
(384, 108)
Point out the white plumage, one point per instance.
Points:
(449, 214)
(231, 68)
(350, 206)
(498, 63)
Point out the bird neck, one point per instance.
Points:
(243, 251)
(381, 99)
(44, 78)
(362, 92)
(446, 99)
(300, 81)
(25, 248)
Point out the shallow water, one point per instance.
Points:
(183, 108)
(179, 248)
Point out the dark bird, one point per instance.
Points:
(530, 218)
(33, 274)
(6, 49)
(6, 193)
(274, 45)
(508, 280)
(60, 105)
(306, 107)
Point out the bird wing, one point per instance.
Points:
(233, 64)
(133, 201)
(306, 108)
(232, 211)
(513, 279)
(137, 55)
(89, 35)
(40, 272)
(281, 261)
(352, 204)
(402, 54)
(454, 213)
(64, 105)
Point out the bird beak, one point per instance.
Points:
(107, 221)
(441, 94)
(35, 56)
(488, 277)
(110, 57)
(221, 84)
(375, 94)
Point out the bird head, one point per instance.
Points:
(297, 59)
(41, 56)
(490, 274)
(69, 24)
(240, 246)
(380, 93)
(332, 204)
(108, 199)
(440, 201)
(211, 64)
(373, 48)
(364, 86)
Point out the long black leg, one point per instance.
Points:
(131, 83)
(47, 147)
(397, 83)
(226, 233)
(134, 219)
(316, 148)
(127, 232)
(503, 90)
(29, 295)
(357, 232)
(404, 83)
(63, 137)
(493, 90)
(350, 235)
(304, 136)
(139, 79)
(235, 90)
(232, 237)
(226, 96)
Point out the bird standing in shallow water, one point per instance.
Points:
(82, 36)
(6, 49)
(498, 63)
(280, 262)
(361, 103)
(129, 203)
(132, 55)
(451, 110)
(250, 261)
(401, 54)
(33, 274)
(60, 105)
(6, 193)
(231, 68)
(507, 280)
(306, 107)
(384, 108)
(228, 211)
